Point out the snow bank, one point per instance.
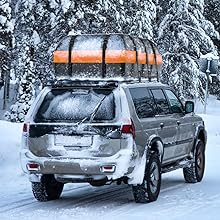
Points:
(10, 139)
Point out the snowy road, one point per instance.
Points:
(177, 200)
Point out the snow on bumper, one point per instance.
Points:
(87, 167)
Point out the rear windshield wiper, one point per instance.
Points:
(92, 115)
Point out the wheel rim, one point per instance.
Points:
(154, 177)
(200, 162)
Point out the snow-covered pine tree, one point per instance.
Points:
(133, 17)
(23, 64)
(6, 30)
(52, 22)
(141, 16)
(183, 36)
(211, 12)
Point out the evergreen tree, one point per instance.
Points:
(6, 30)
(184, 35)
(52, 22)
(211, 12)
(133, 17)
(23, 56)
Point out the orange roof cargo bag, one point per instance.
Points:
(106, 56)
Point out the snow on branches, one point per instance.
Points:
(183, 36)
(179, 27)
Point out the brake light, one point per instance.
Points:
(25, 127)
(128, 129)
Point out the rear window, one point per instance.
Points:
(64, 105)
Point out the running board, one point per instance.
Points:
(179, 164)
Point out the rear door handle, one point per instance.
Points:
(161, 125)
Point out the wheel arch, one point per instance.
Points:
(155, 144)
(200, 135)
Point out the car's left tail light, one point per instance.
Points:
(25, 134)
(128, 128)
(25, 127)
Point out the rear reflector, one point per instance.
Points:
(108, 168)
(33, 166)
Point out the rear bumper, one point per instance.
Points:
(78, 169)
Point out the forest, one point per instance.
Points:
(30, 30)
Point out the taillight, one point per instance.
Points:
(128, 129)
(25, 127)
(25, 135)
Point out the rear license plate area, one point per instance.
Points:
(72, 142)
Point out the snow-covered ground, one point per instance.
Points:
(177, 200)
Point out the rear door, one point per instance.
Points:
(185, 128)
(75, 121)
(166, 124)
(155, 118)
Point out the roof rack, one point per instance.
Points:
(107, 56)
(101, 83)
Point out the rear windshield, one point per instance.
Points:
(65, 105)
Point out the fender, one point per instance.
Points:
(199, 134)
(154, 143)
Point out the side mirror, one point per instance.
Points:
(189, 107)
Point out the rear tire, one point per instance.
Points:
(195, 172)
(149, 190)
(48, 189)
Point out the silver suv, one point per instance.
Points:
(104, 131)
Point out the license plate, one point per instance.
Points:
(81, 141)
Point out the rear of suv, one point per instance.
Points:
(104, 131)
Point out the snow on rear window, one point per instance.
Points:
(75, 105)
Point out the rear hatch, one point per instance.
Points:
(76, 122)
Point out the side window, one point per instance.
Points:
(143, 102)
(161, 101)
(175, 104)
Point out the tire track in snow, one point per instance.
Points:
(88, 197)
(79, 197)
(29, 200)
(127, 207)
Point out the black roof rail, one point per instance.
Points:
(99, 83)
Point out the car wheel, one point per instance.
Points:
(48, 189)
(195, 172)
(149, 190)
